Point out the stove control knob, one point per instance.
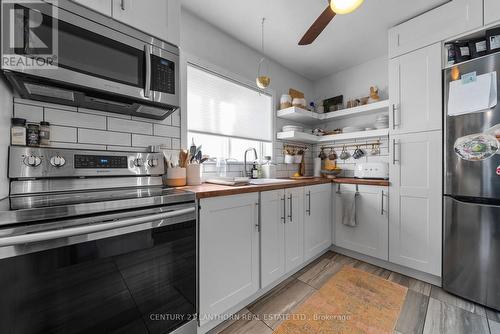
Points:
(138, 162)
(32, 161)
(57, 161)
(153, 162)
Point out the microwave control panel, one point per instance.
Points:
(162, 75)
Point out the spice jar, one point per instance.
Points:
(44, 133)
(18, 132)
(33, 135)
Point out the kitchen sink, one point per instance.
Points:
(269, 181)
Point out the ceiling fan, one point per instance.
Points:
(334, 7)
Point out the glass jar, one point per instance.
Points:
(33, 135)
(18, 131)
(221, 167)
(44, 133)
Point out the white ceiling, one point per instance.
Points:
(349, 40)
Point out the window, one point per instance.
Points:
(227, 117)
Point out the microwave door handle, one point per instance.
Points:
(147, 84)
(87, 229)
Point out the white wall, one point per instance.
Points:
(355, 81)
(5, 116)
(206, 45)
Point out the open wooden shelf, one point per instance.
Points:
(302, 137)
(303, 116)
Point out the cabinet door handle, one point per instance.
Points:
(395, 107)
(284, 210)
(122, 4)
(257, 226)
(309, 204)
(291, 208)
(394, 160)
(382, 205)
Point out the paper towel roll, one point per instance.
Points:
(317, 167)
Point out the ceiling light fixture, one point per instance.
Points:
(263, 80)
(345, 6)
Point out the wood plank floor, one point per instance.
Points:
(427, 309)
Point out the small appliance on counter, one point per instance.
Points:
(372, 170)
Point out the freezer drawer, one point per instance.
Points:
(471, 263)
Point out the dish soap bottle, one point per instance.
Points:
(255, 171)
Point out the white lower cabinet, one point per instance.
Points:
(228, 252)
(370, 235)
(317, 219)
(415, 224)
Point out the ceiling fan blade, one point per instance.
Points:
(318, 26)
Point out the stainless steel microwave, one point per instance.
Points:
(96, 63)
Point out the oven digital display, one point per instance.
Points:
(96, 161)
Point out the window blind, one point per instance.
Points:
(220, 106)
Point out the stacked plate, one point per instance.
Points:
(295, 128)
(382, 122)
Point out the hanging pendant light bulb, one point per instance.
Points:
(263, 80)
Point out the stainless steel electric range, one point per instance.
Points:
(91, 242)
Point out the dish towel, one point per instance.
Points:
(349, 213)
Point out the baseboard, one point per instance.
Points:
(432, 279)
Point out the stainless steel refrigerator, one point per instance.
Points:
(471, 263)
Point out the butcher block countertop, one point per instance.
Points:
(207, 190)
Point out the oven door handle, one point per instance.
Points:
(87, 229)
(147, 85)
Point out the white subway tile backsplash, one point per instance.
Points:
(77, 146)
(176, 118)
(176, 143)
(29, 112)
(124, 125)
(88, 136)
(167, 131)
(75, 119)
(103, 113)
(63, 134)
(145, 141)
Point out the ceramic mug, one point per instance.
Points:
(289, 159)
(344, 155)
(358, 153)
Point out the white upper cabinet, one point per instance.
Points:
(491, 11)
(228, 252)
(101, 6)
(272, 241)
(415, 222)
(294, 228)
(453, 18)
(415, 91)
(370, 235)
(317, 219)
(149, 16)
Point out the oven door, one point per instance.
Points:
(132, 272)
(91, 55)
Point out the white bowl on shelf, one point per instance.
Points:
(296, 128)
(350, 129)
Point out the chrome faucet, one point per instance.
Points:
(247, 173)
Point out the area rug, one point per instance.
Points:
(352, 301)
